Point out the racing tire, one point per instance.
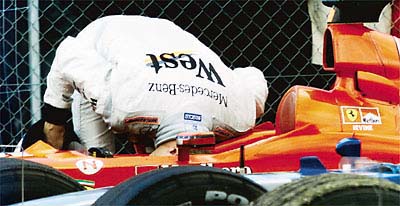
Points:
(333, 189)
(37, 181)
(184, 185)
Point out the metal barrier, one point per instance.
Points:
(274, 36)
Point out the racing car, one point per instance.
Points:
(360, 181)
(362, 108)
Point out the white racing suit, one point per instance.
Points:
(132, 66)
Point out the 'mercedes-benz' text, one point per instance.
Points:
(186, 89)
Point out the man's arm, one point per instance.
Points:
(54, 134)
(55, 120)
(57, 98)
(75, 67)
(166, 149)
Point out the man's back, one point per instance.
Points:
(160, 67)
(129, 66)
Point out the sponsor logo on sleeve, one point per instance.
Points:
(191, 116)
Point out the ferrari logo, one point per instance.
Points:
(360, 115)
(352, 114)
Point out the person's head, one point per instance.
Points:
(256, 82)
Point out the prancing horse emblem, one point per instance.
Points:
(352, 114)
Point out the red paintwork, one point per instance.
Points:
(309, 121)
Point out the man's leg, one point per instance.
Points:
(89, 126)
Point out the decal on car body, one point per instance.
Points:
(360, 115)
(235, 169)
(361, 118)
(89, 166)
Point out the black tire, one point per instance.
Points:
(334, 189)
(38, 181)
(185, 185)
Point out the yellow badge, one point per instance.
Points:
(352, 114)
